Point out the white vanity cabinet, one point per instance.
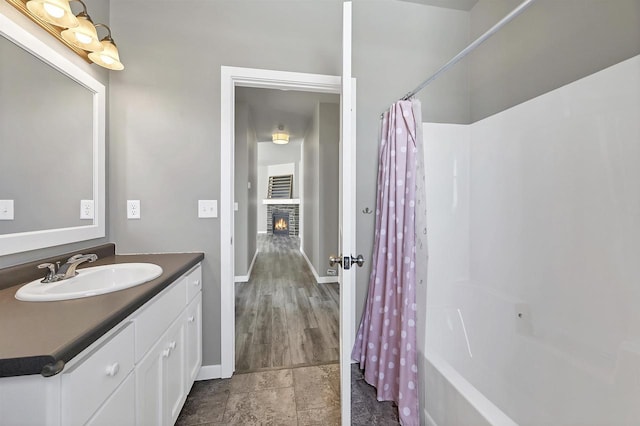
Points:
(168, 369)
(138, 373)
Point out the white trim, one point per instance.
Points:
(262, 232)
(320, 280)
(25, 241)
(208, 372)
(230, 77)
(245, 278)
(347, 223)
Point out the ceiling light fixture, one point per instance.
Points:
(54, 12)
(280, 137)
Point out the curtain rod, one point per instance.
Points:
(470, 48)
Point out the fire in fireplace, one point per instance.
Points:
(280, 223)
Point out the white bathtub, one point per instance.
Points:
(488, 362)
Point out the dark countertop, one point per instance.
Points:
(37, 335)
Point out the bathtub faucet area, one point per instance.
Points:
(66, 271)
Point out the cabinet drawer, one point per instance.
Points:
(194, 283)
(90, 382)
(119, 409)
(155, 318)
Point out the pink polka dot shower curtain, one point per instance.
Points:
(386, 340)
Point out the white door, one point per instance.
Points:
(347, 226)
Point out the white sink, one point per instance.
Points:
(90, 282)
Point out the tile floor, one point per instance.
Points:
(284, 397)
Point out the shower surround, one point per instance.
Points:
(532, 295)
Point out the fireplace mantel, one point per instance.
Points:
(281, 201)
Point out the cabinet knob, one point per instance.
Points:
(172, 345)
(166, 353)
(196, 283)
(191, 318)
(113, 369)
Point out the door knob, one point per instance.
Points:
(359, 260)
(333, 260)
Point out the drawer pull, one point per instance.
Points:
(196, 283)
(113, 369)
(191, 318)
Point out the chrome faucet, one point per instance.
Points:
(66, 271)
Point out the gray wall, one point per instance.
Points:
(311, 189)
(100, 13)
(320, 152)
(252, 193)
(553, 43)
(396, 45)
(165, 113)
(321, 172)
(329, 115)
(245, 171)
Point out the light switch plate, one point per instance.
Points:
(235, 206)
(207, 208)
(6, 209)
(86, 209)
(133, 209)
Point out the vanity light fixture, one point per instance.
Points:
(77, 32)
(108, 57)
(280, 137)
(84, 35)
(55, 12)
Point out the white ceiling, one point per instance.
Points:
(292, 109)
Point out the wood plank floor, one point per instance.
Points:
(283, 317)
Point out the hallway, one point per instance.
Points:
(287, 353)
(283, 317)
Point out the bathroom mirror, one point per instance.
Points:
(52, 126)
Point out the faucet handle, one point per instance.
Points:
(51, 274)
(84, 257)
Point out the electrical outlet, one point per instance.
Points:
(207, 208)
(86, 209)
(133, 209)
(6, 209)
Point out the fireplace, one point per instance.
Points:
(280, 220)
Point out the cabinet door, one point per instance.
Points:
(193, 324)
(119, 409)
(149, 388)
(173, 360)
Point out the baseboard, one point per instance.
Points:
(208, 372)
(319, 279)
(245, 278)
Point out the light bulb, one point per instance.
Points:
(83, 38)
(53, 10)
(107, 59)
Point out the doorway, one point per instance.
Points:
(232, 77)
(286, 227)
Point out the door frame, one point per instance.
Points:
(232, 77)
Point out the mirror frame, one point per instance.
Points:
(25, 241)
